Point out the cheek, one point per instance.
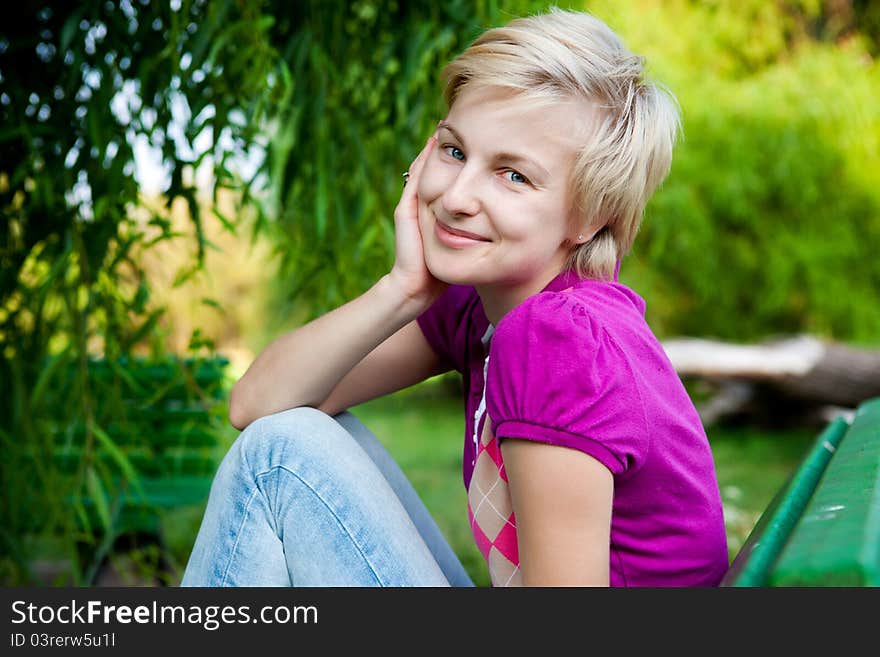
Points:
(522, 222)
(541, 227)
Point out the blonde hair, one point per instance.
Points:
(633, 124)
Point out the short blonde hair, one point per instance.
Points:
(565, 55)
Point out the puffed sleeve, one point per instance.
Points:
(444, 324)
(557, 376)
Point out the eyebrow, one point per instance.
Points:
(506, 156)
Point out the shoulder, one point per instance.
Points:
(560, 371)
(550, 321)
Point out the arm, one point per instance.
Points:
(368, 347)
(304, 366)
(404, 359)
(562, 500)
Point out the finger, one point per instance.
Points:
(418, 164)
(411, 181)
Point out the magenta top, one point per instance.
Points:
(577, 365)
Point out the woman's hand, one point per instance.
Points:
(410, 272)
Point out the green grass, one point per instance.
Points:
(752, 465)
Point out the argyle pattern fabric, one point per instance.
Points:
(490, 511)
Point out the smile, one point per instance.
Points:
(456, 238)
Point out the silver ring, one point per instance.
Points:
(405, 178)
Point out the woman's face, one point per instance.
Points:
(494, 203)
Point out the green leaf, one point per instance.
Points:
(82, 515)
(46, 374)
(119, 457)
(126, 376)
(71, 26)
(98, 497)
(213, 303)
(227, 224)
(142, 296)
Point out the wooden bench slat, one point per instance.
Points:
(204, 370)
(140, 513)
(173, 460)
(837, 540)
(195, 432)
(164, 421)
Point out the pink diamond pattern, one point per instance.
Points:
(490, 512)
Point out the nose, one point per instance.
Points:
(461, 197)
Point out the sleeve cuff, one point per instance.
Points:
(549, 435)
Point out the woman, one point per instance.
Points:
(584, 459)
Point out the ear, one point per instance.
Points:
(574, 228)
(584, 234)
(580, 229)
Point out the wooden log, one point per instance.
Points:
(803, 367)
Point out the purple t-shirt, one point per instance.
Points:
(577, 365)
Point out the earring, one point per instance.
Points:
(580, 238)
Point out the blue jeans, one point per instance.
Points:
(305, 499)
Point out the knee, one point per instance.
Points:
(302, 433)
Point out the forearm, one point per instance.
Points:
(302, 367)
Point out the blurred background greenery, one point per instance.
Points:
(276, 132)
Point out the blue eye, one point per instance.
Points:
(455, 152)
(516, 177)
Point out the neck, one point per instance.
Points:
(500, 299)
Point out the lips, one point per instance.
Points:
(462, 233)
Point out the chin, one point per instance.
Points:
(449, 276)
(453, 273)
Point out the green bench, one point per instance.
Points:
(823, 526)
(162, 449)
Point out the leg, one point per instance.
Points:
(421, 517)
(296, 501)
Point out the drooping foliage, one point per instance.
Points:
(82, 85)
